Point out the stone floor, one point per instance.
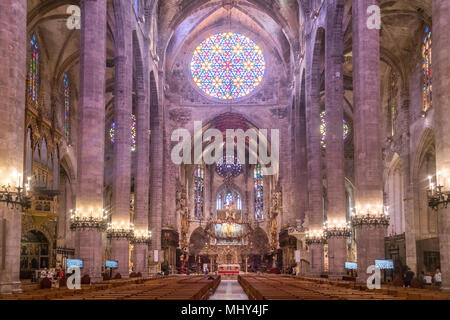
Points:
(229, 290)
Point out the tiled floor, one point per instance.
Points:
(229, 290)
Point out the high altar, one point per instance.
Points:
(228, 237)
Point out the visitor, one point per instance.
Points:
(206, 270)
(422, 277)
(438, 277)
(43, 274)
(408, 277)
(428, 280)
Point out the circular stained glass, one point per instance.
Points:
(227, 65)
(229, 167)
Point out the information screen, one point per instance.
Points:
(74, 263)
(384, 264)
(351, 265)
(113, 264)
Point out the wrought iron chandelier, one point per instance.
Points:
(15, 197)
(370, 216)
(436, 196)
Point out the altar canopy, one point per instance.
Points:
(228, 233)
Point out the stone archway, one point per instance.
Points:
(34, 253)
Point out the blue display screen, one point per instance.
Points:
(112, 264)
(351, 265)
(384, 264)
(74, 263)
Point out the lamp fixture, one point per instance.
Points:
(91, 219)
(373, 215)
(337, 228)
(437, 196)
(16, 196)
(315, 236)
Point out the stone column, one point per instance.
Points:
(300, 193)
(410, 229)
(170, 181)
(141, 185)
(314, 153)
(123, 101)
(441, 100)
(156, 172)
(334, 154)
(91, 138)
(368, 156)
(13, 41)
(169, 218)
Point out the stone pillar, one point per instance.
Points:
(156, 173)
(91, 138)
(316, 258)
(314, 153)
(169, 218)
(334, 154)
(410, 229)
(13, 41)
(300, 193)
(441, 100)
(123, 101)
(368, 155)
(141, 185)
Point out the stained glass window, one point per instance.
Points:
(259, 203)
(112, 132)
(427, 71)
(229, 167)
(34, 71)
(229, 199)
(66, 107)
(227, 65)
(136, 8)
(199, 186)
(323, 129)
(133, 132)
(393, 92)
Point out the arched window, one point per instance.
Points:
(33, 77)
(137, 8)
(259, 203)
(427, 71)
(393, 105)
(199, 192)
(323, 129)
(66, 107)
(229, 199)
(112, 132)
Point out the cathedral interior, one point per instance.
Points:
(102, 98)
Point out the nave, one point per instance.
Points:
(247, 287)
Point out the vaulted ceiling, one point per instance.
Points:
(277, 22)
